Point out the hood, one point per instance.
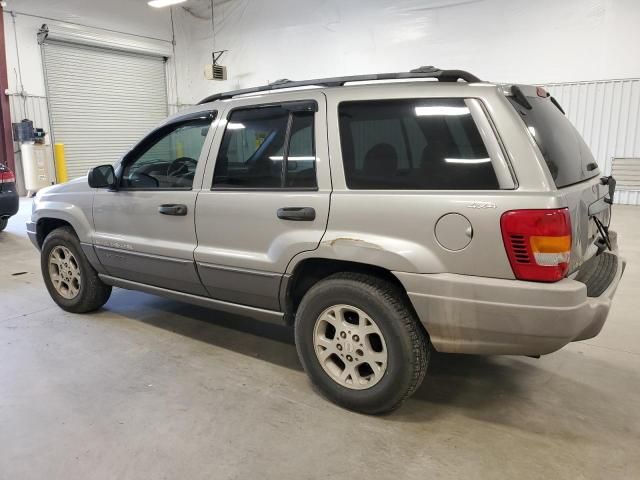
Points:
(79, 184)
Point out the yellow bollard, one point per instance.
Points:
(61, 164)
(180, 150)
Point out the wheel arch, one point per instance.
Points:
(309, 271)
(49, 215)
(46, 225)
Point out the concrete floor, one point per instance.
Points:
(149, 388)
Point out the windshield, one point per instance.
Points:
(567, 155)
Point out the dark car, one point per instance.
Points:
(8, 195)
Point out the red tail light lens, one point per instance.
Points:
(538, 243)
(7, 176)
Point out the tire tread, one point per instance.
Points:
(395, 298)
(94, 292)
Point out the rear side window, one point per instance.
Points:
(267, 147)
(417, 144)
(565, 152)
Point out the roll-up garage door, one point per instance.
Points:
(101, 101)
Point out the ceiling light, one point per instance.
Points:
(430, 111)
(467, 160)
(279, 158)
(164, 3)
(235, 126)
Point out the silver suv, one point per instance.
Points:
(381, 215)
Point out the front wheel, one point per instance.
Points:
(70, 279)
(3, 223)
(359, 341)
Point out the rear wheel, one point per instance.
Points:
(70, 279)
(3, 223)
(359, 341)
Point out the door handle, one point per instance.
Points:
(173, 209)
(297, 214)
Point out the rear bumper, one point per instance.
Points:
(466, 314)
(9, 204)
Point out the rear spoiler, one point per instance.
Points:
(521, 92)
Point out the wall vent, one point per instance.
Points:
(215, 72)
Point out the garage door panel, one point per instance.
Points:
(101, 101)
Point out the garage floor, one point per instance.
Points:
(150, 388)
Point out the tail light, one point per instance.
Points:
(538, 243)
(7, 176)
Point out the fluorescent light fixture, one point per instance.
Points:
(279, 158)
(164, 3)
(467, 160)
(447, 111)
(235, 126)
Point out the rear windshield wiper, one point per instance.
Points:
(555, 102)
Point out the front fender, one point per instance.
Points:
(72, 214)
(71, 202)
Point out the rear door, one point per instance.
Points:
(265, 195)
(571, 165)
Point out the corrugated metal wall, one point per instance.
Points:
(101, 101)
(607, 114)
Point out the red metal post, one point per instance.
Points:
(6, 137)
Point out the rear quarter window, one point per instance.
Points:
(415, 144)
(566, 154)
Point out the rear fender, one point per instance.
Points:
(393, 254)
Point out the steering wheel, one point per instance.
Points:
(180, 166)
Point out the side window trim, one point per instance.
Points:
(293, 107)
(153, 137)
(501, 165)
(285, 151)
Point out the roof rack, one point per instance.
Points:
(422, 72)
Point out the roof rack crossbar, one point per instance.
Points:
(422, 72)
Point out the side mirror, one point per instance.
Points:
(103, 176)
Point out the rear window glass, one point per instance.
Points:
(563, 149)
(253, 149)
(417, 144)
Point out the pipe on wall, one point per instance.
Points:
(6, 138)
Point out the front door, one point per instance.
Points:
(265, 198)
(144, 231)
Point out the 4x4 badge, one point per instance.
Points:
(482, 205)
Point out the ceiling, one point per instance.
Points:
(202, 8)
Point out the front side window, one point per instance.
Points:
(417, 144)
(267, 147)
(168, 158)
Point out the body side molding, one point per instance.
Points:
(264, 315)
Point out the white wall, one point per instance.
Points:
(530, 41)
(537, 41)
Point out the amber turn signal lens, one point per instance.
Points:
(544, 244)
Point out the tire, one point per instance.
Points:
(89, 293)
(3, 223)
(371, 303)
